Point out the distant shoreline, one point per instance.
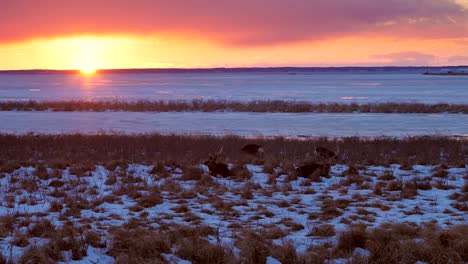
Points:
(266, 106)
(447, 73)
(287, 70)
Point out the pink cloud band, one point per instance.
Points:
(241, 22)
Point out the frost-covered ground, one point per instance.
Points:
(257, 197)
(341, 87)
(244, 124)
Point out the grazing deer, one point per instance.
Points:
(313, 170)
(325, 154)
(217, 168)
(252, 149)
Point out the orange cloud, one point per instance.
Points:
(241, 22)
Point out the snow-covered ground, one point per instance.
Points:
(295, 205)
(244, 124)
(318, 87)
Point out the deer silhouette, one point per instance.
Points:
(252, 149)
(217, 168)
(313, 170)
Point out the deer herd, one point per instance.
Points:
(311, 170)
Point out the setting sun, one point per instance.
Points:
(88, 70)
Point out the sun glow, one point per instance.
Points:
(86, 54)
(88, 70)
(89, 52)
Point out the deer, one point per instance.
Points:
(313, 170)
(217, 168)
(325, 154)
(252, 149)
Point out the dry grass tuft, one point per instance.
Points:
(192, 174)
(354, 237)
(324, 230)
(138, 246)
(254, 248)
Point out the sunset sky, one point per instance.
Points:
(88, 34)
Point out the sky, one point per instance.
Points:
(90, 34)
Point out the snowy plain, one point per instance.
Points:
(294, 205)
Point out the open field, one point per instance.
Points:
(230, 106)
(132, 213)
(149, 199)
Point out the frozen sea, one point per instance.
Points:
(341, 87)
(312, 87)
(243, 124)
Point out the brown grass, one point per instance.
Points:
(324, 230)
(236, 106)
(254, 248)
(84, 150)
(355, 237)
(138, 246)
(136, 243)
(396, 244)
(192, 173)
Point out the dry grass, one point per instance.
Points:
(252, 211)
(192, 173)
(236, 106)
(324, 230)
(138, 246)
(110, 149)
(389, 245)
(137, 242)
(354, 237)
(254, 248)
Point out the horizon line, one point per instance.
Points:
(45, 70)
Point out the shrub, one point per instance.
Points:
(199, 250)
(34, 255)
(138, 246)
(111, 179)
(160, 170)
(324, 230)
(395, 186)
(440, 173)
(42, 228)
(92, 238)
(7, 223)
(41, 172)
(253, 247)
(355, 237)
(151, 199)
(20, 240)
(286, 253)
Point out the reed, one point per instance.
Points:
(108, 149)
(230, 106)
